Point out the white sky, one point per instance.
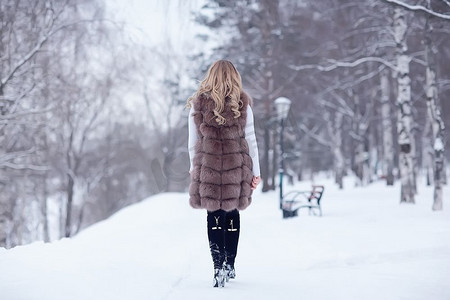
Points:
(157, 23)
(149, 21)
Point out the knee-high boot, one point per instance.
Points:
(232, 230)
(216, 235)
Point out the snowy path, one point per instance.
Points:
(366, 246)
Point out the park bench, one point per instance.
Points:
(295, 200)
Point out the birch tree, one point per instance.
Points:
(404, 118)
(386, 123)
(434, 115)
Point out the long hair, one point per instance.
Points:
(222, 81)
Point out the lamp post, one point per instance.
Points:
(282, 105)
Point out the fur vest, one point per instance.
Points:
(222, 167)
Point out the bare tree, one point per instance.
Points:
(59, 71)
(25, 31)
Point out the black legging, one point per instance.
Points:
(223, 235)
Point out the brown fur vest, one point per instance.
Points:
(222, 172)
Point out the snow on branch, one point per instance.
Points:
(419, 8)
(26, 166)
(6, 161)
(337, 64)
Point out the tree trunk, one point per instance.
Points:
(70, 165)
(359, 141)
(372, 151)
(335, 135)
(44, 210)
(68, 227)
(388, 143)
(444, 171)
(339, 167)
(4, 223)
(359, 162)
(265, 161)
(275, 164)
(434, 114)
(427, 151)
(404, 121)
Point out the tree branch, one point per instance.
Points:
(25, 166)
(26, 58)
(419, 8)
(5, 161)
(39, 46)
(311, 134)
(337, 64)
(25, 113)
(11, 155)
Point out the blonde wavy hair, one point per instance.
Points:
(222, 81)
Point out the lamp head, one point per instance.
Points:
(282, 105)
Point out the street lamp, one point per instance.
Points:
(282, 105)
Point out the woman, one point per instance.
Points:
(224, 161)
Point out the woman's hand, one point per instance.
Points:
(255, 181)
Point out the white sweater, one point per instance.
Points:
(249, 136)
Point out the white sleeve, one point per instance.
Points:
(251, 140)
(192, 137)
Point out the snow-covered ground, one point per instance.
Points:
(366, 246)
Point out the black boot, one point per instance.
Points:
(232, 220)
(216, 236)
